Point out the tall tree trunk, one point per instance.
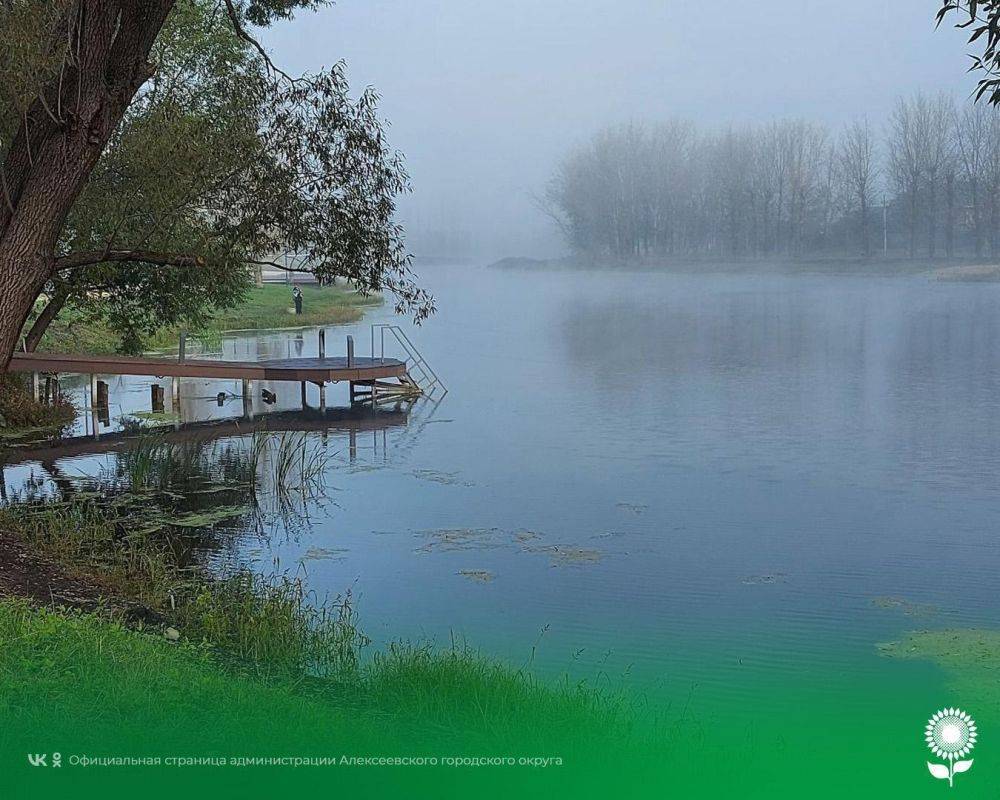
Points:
(977, 218)
(949, 220)
(932, 217)
(866, 245)
(993, 222)
(44, 319)
(62, 136)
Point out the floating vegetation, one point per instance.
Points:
(444, 478)
(763, 580)
(477, 575)
(451, 539)
(563, 556)
(970, 658)
(955, 648)
(904, 605)
(207, 518)
(465, 539)
(324, 554)
(28, 436)
(152, 416)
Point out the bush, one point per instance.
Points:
(18, 409)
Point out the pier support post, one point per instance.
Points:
(322, 343)
(350, 351)
(51, 390)
(103, 405)
(352, 392)
(248, 398)
(36, 386)
(175, 395)
(94, 414)
(303, 387)
(322, 397)
(353, 445)
(156, 398)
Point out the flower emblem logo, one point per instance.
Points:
(950, 734)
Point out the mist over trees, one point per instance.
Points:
(926, 183)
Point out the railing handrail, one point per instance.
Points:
(407, 344)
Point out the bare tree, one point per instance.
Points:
(938, 159)
(972, 149)
(859, 171)
(908, 130)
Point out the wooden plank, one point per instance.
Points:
(293, 369)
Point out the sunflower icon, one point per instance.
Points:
(950, 734)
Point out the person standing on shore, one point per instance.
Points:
(297, 297)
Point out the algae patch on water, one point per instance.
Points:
(632, 508)
(969, 656)
(953, 648)
(562, 555)
(207, 518)
(477, 575)
(444, 478)
(904, 605)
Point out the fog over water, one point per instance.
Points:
(485, 98)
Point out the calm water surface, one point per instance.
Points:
(700, 485)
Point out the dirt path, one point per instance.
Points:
(28, 575)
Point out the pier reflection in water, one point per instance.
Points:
(214, 457)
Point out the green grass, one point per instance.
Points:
(74, 658)
(271, 307)
(84, 684)
(266, 308)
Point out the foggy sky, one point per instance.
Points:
(484, 98)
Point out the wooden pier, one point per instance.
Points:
(372, 380)
(311, 370)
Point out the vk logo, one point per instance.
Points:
(38, 759)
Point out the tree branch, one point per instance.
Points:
(88, 258)
(241, 32)
(276, 265)
(44, 319)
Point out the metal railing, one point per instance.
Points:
(417, 368)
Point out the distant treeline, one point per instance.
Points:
(928, 181)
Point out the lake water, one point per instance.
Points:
(721, 491)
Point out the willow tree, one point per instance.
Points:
(152, 153)
(982, 19)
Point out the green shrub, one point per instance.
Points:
(18, 410)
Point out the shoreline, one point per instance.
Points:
(953, 270)
(264, 308)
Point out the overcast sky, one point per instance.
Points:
(484, 98)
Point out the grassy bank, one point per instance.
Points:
(86, 685)
(268, 307)
(241, 664)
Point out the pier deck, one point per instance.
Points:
(313, 370)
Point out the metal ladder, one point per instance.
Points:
(418, 371)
